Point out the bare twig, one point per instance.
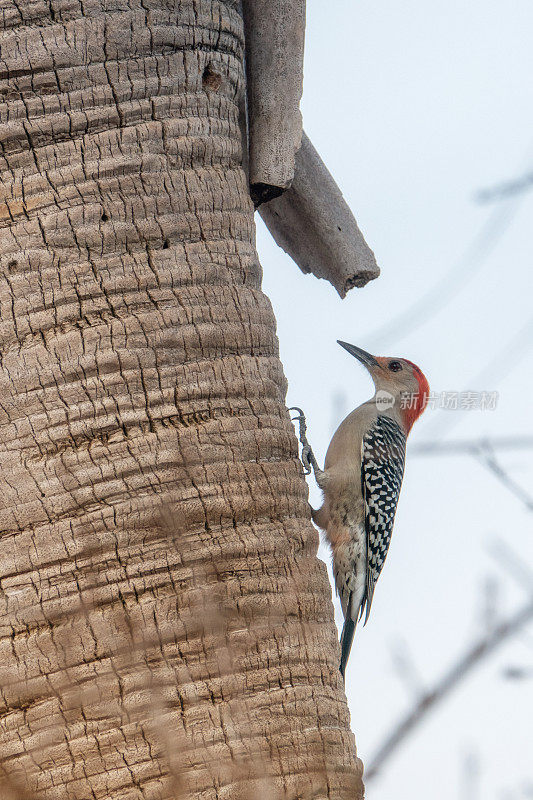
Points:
(490, 604)
(473, 656)
(483, 450)
(469, 446)
(517, 673)
(426, 306)
(487, 457)
(506, 189)
(506, 557)
(405, 668)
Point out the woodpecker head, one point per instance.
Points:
(397, 377)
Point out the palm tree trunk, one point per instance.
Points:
(140, 382)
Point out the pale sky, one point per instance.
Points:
(415, 107)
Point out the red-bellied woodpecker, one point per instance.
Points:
(361, 481)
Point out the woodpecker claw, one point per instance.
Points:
(307, 457)
(306, 453)
(302, 425)
(300, 417)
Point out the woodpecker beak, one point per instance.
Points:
(361, 355)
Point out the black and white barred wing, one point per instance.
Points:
(383, 460)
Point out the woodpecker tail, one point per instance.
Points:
(348, 630)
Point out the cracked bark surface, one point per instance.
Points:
(140, 378)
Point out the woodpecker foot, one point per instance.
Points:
(308, 459)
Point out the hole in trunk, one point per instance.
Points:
(211, 80)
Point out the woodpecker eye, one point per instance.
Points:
(395, 366)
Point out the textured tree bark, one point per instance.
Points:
(140, 382)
